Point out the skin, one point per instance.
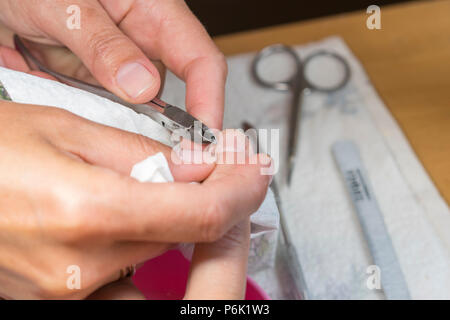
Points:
(74, 202)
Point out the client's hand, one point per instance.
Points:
(218, 270)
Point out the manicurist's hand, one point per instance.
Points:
(118, 39)
(66, 199)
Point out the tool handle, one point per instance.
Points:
(371, 219)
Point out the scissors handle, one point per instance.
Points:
(285, 85)
(168, 116)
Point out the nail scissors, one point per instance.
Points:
(170, 117)
(299, 83)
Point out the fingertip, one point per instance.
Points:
(11, 59)
(205, 90)
(192, 172)
(189, 165)
(264, 159)
(266, 167)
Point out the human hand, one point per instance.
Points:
(229, 251)
(219, 269)
(66, 199)
(116, 41)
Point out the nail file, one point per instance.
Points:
(348, 159)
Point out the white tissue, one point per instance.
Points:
(153, 169)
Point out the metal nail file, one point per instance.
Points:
(349, 161)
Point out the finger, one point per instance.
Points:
(168, 30)
(205, 87)
(115, 61)
(101, 265)
(218, 270)
(109, 147)
(11, 59)
(119, 290)
(110, 205)
(125, 254)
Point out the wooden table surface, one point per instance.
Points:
(408, 62)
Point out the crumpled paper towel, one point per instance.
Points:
(28, 89)
(153, 169)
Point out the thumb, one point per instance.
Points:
(114, 60)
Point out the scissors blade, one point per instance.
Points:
(294, 129)
(170, 117)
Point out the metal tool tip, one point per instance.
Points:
(207, 135)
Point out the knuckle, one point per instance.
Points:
(104, 44)
(221, 62)
(212, 222)
(53, 285)
(144, 144)
(74, 224)
(52, 290)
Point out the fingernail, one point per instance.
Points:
(265, 160)
(189, 156)
(134, 79)
(233, 141)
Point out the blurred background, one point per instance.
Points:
(229, 16)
